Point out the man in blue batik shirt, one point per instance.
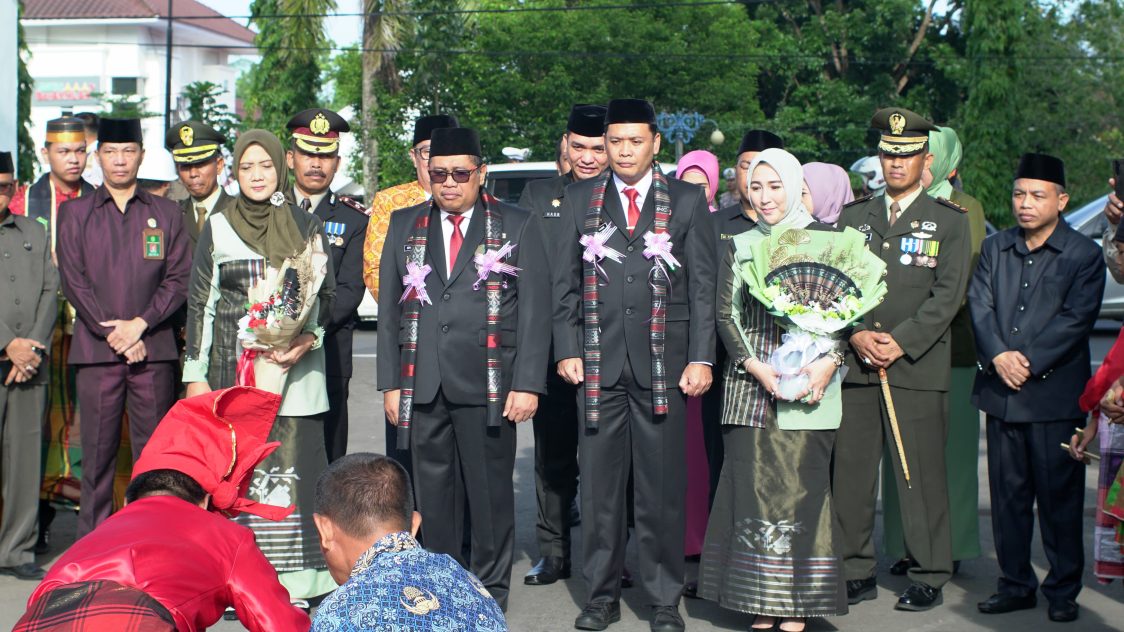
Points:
(365, 514)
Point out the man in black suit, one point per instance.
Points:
(464, 292)
(197, 151)
(635, 326)
(314, 158)
(1034, 299)
(556, 423)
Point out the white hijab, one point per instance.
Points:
(792, 178)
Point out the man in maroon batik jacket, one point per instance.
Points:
(125, 260)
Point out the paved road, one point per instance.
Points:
(553, 608)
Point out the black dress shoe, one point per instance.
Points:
(902, 566)
(1063, 611)
(626, 578)
(27, 571)
(919, 597)
(597, 615)
(43, 543)
(691, 590)
(667, 619)
(547, 571)
(1000, 603)
(861, 590)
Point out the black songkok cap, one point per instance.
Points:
(192, 142)
(630, 111)
(587, 120)
(120, 131)
(317, 130)
(6, 162)
(424, 126)
(67, 129)
(760, 140)
(455, 141)
(1041, 167)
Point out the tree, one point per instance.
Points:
(385, 27)
(292, 42)
(124, 106)
(26, 152)
(203, 105)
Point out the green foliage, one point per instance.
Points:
(25, 170)
(203, 105)
(287, 79)
(124, 106)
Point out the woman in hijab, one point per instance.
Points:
(770, 545)
(701, 168)
(237, 250)
(827, 191)
(963, 443)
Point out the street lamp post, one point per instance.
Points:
(680, 127)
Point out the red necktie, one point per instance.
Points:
(456, 240)
(633, 210)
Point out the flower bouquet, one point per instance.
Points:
(277, 310)
(817, 284)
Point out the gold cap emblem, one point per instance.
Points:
(897, 123)
(319, 125)
(187, 135)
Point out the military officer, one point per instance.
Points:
(314, 158)
(926, 246)
(29, 284)
(197, 151)
(556, 424)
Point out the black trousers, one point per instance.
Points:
(712, 430)
(1025, 464)
(335, 422)
(556, 465)
(462, 466)
(631, 439)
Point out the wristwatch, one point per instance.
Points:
(836, 357)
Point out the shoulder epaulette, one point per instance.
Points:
(859, 200)
(950, 204)
(346, 201)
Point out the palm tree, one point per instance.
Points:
(385, 27)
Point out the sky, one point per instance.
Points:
(343, 30)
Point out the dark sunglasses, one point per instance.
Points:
(6, 188)
(460, 176)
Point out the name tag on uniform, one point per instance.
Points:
(154, 244)
(725, 237)
(553, 214)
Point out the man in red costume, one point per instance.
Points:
(165, 562)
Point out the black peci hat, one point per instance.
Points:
(120, 131)
(455, 141)
(6, 162)
(587, 120)
(760, 140)
(1041, 167)
(424, 126)
(630, 111)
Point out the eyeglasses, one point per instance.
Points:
(460, 176)
(422, 154)
(6, 188)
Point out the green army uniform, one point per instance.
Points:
(963, 446)
(926, 250)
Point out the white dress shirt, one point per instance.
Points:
(643, 188)
(208, 203)
(904, 203)
(447, 235)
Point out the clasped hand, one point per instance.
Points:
(125, 334)
(877, 350)
(1013, 368)
(819, 374)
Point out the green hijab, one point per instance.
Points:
(944, 144)
(268, 229)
